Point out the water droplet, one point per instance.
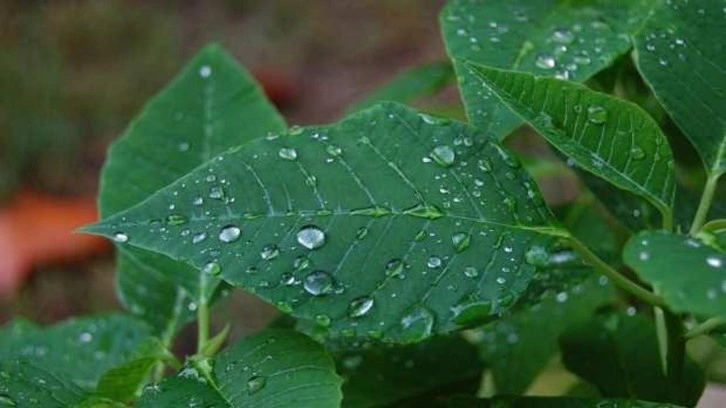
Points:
(418, 323)
(394, 267)
(176, 219)
(597, 115)
(485, 165)
(212, 268)
(361, 233)
(120, 237)
(545, 61)
(205, 71)
(269, 252)
(295, 130)
(318, 283)
(434, 262)
(322, 320)
(537, 255)
(561, 297)
(229, 233)
(562, 35)
(255, 384)
(420, 236)
(183, 147)
(197, 238)
(461, 241)
(443, 155)
(216, 193)
(359, 307)
(6, 401)
(288, 153)
(471, 272)
(334, 150)
(637, 153)
(644, 256)
(472, 313)
(301, 262)
(714, 261)
(85, 337)
(198, 200)
(311, 237)
(373, 211)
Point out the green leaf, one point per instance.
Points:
(212, 105)
(618, 354)
(386, 376)
(389, 224)
(679, 54)
(79, 350)
(568, 40)
(121, 383)
(271, 368)
(551, 402)
(610, 138)
(688, 274)
(519, 346)
(26, 383)
(412, 83)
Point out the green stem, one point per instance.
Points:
(706, 327)
(672, 345)
(706, 198)
(617, 278)
(202, 325)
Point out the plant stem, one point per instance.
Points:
(202, 315)
(706, 327)
(617, 278)
(671, 343)
(706, 198)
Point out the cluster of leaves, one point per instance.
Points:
(413, 252)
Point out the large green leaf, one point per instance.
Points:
(519, 346)
(569, 40)
(389, 224)
(386, 376)
(688, 274)
(680, 53)
(273, 368)
(212, 105)
(26, 383)
(551, 402)
(618, 353)
(608, 137)
(79, 350)
(410, 84)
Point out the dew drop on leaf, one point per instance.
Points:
(216, 193)
(359, 307)
(198, 200)
(418, 324)
(562, 36)
(334, 150)
(212, 268)
(269, 252)
(295, 130)
(318, 283)
(311, 237)
(714, 261)
(471, 272)
(461, 241)
(434, 262)
(597, 115)
(120, 237)
(288, 153)
(255, 384)
(176, 219)
(443, 155)
(361, 233)
(197, 238)
(545, 61)
(322, 320)
(637, 153)
(229, 233)
(205, 71)
(394, 267)
(6, 401)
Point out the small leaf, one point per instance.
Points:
(688, 274)
(550, 402)
(271, 368)
(618, 354)
(212, 105)
(415, 82)
(679, 54)
(610, 138)
(366, 241)
(545, 37)
(386, 376)
(519, 346)
(80, 350)
(25, 383)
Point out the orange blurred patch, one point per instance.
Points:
(38, 229)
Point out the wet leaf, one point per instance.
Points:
(551, 402)
(212, 105)
(687, 273)
(388, 225)
(25, 383)
(271, 368)
(79, 350)
(618, 354)
(609, 137)
(550, 38)
(679, 55)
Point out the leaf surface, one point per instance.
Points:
(24, 383)
(390, 224)
(212, 105)
(412, 83)
(273, 368)
(79, 350)
(618, 354)
(610, 138)
(551, 402)
(565, 40)
(688, 274)
(679, 54)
